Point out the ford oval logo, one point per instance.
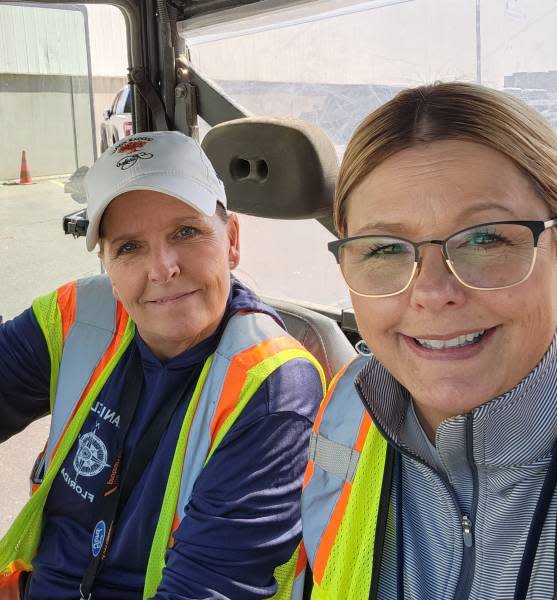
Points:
(99, 533)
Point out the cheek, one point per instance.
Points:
(126, 284)
(376, 319)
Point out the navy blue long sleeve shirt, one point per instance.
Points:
(243, 518)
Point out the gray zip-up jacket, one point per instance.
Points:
(467, 503)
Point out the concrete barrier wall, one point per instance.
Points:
(49, 116)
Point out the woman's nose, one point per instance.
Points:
(435, 286)
(164, 265)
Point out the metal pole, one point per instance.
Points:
(90, 81)
(72, 105)
(478, 44)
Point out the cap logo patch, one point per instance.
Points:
(129, 161)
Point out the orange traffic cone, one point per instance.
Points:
(24, 175)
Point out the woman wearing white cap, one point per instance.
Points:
(180, 407)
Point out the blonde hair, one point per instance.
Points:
(451, 111)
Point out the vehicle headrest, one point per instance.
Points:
(277, 168)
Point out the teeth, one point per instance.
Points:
(457, 342)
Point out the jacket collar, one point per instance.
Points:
(514, 429)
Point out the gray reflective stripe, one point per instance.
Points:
(333, 457)
(242, 332)
(334, 418)
(298, 587)
(86, 342)
(318, 502)
(336, 460)
(95, 304)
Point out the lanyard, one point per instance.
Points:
(102, 532)
(399, 531)
(536, 526)
(120, 483)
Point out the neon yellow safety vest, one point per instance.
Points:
(342, 497)
(87, 332)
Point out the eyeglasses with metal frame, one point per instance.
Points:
(488, 256)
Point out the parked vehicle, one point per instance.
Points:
(117, 120)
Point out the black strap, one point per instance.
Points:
(399, 531)
(538, 520)
(555, 566)
(308, 583)
(131, 393)
(150, 440)
(119, 486)
(381, 527)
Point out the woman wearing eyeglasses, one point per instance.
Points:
(433, 461)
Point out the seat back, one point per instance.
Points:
(317, 333)
(278, 168)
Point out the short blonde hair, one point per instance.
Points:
(451, 111)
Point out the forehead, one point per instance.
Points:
(140, 210)
(444, 185)
(149, 201)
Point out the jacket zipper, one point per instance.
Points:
(466, 521)
(468, 566)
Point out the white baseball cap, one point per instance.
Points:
(162, 161)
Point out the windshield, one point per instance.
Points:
(329, 62)
(333, 62)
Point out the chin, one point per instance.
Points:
(455, 398)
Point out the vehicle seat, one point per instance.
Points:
(282, 168)
(317, 333)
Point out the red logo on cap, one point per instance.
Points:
(131, 146)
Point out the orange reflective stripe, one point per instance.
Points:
(237, 373)
(67, 296)
(362, 434)
(308, 474)
(175, 524)
(121, 323)
(9, 586)
(325, 401)
(302, 561)
(330, 533)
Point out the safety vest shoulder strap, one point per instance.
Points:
(55, 314)
(68, 313)
(251, 347)
(343, 442)
(90, 323)
(333, 459)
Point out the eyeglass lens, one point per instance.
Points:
(487, 256)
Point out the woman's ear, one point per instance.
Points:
(233, 232)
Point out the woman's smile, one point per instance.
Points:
(171, 299)
(450, 347)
